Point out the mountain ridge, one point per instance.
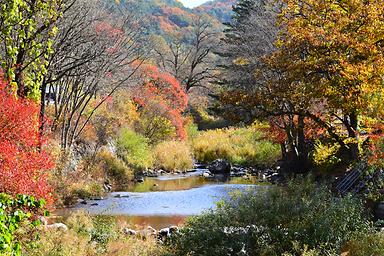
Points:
(170, 18)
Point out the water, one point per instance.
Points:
(164, 201)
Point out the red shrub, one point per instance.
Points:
(23, 168)
(165, 91)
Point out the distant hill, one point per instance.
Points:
(168, 18)
(221, 9)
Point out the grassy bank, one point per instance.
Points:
(243, 146)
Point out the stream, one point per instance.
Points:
(165, 200)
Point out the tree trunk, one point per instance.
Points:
(351, 125)
(302, 154)
(42, 113)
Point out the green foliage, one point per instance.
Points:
(205, 121)
(14, 211)
(173, 155)
(103, 231)
(302, 217)
(154, 126)
(325, 156)
(245, 146)
(192, 130)
(27, 29)
(134, 149)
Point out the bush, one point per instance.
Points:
(134, 149)
(24, 164)
(370, 244)
(91, 189)
(173, 155)
(14, 211)
(115, 169)
(244, 146)
(154, 126)
(325, 156)
(301, 217)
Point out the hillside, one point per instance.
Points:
(220, 9)
(169, 18)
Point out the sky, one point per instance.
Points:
(192, 3)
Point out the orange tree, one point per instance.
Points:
(325, 67)
(331, 51)
(164, 94)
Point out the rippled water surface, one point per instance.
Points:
(166, 200)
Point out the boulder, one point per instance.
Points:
(59, 226)
(220, 166)
(140, 179)
(129, 232)
(207, 174)
(165, 233)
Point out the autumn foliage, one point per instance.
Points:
(162, 91)
(23, 167)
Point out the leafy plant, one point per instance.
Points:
(23, 161)
(13, 212)
(164, 94)
(325, 156)
(134, 149)
(277, 221)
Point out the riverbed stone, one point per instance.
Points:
(220, 166)
(140, 179)
(207, 174)
(59, 226)
(129, 232)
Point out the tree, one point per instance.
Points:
(332, 52)
(324, 68)
(163, 93)
(26, 30)
(94, 53)
(23, 167)
(189, 60)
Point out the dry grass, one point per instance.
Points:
(245, 146)
(173, 155)
(91, 236)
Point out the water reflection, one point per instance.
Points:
(164, 201)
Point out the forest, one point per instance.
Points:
(238, 127)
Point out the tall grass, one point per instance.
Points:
(91, 236)
(173, 155)
(244, 146)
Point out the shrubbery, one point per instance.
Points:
(244, 146)
(134, 149)
(300, 219)
(173, 155)
(14, 212)
(24, 162)
(115, 169)
(366, 244)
